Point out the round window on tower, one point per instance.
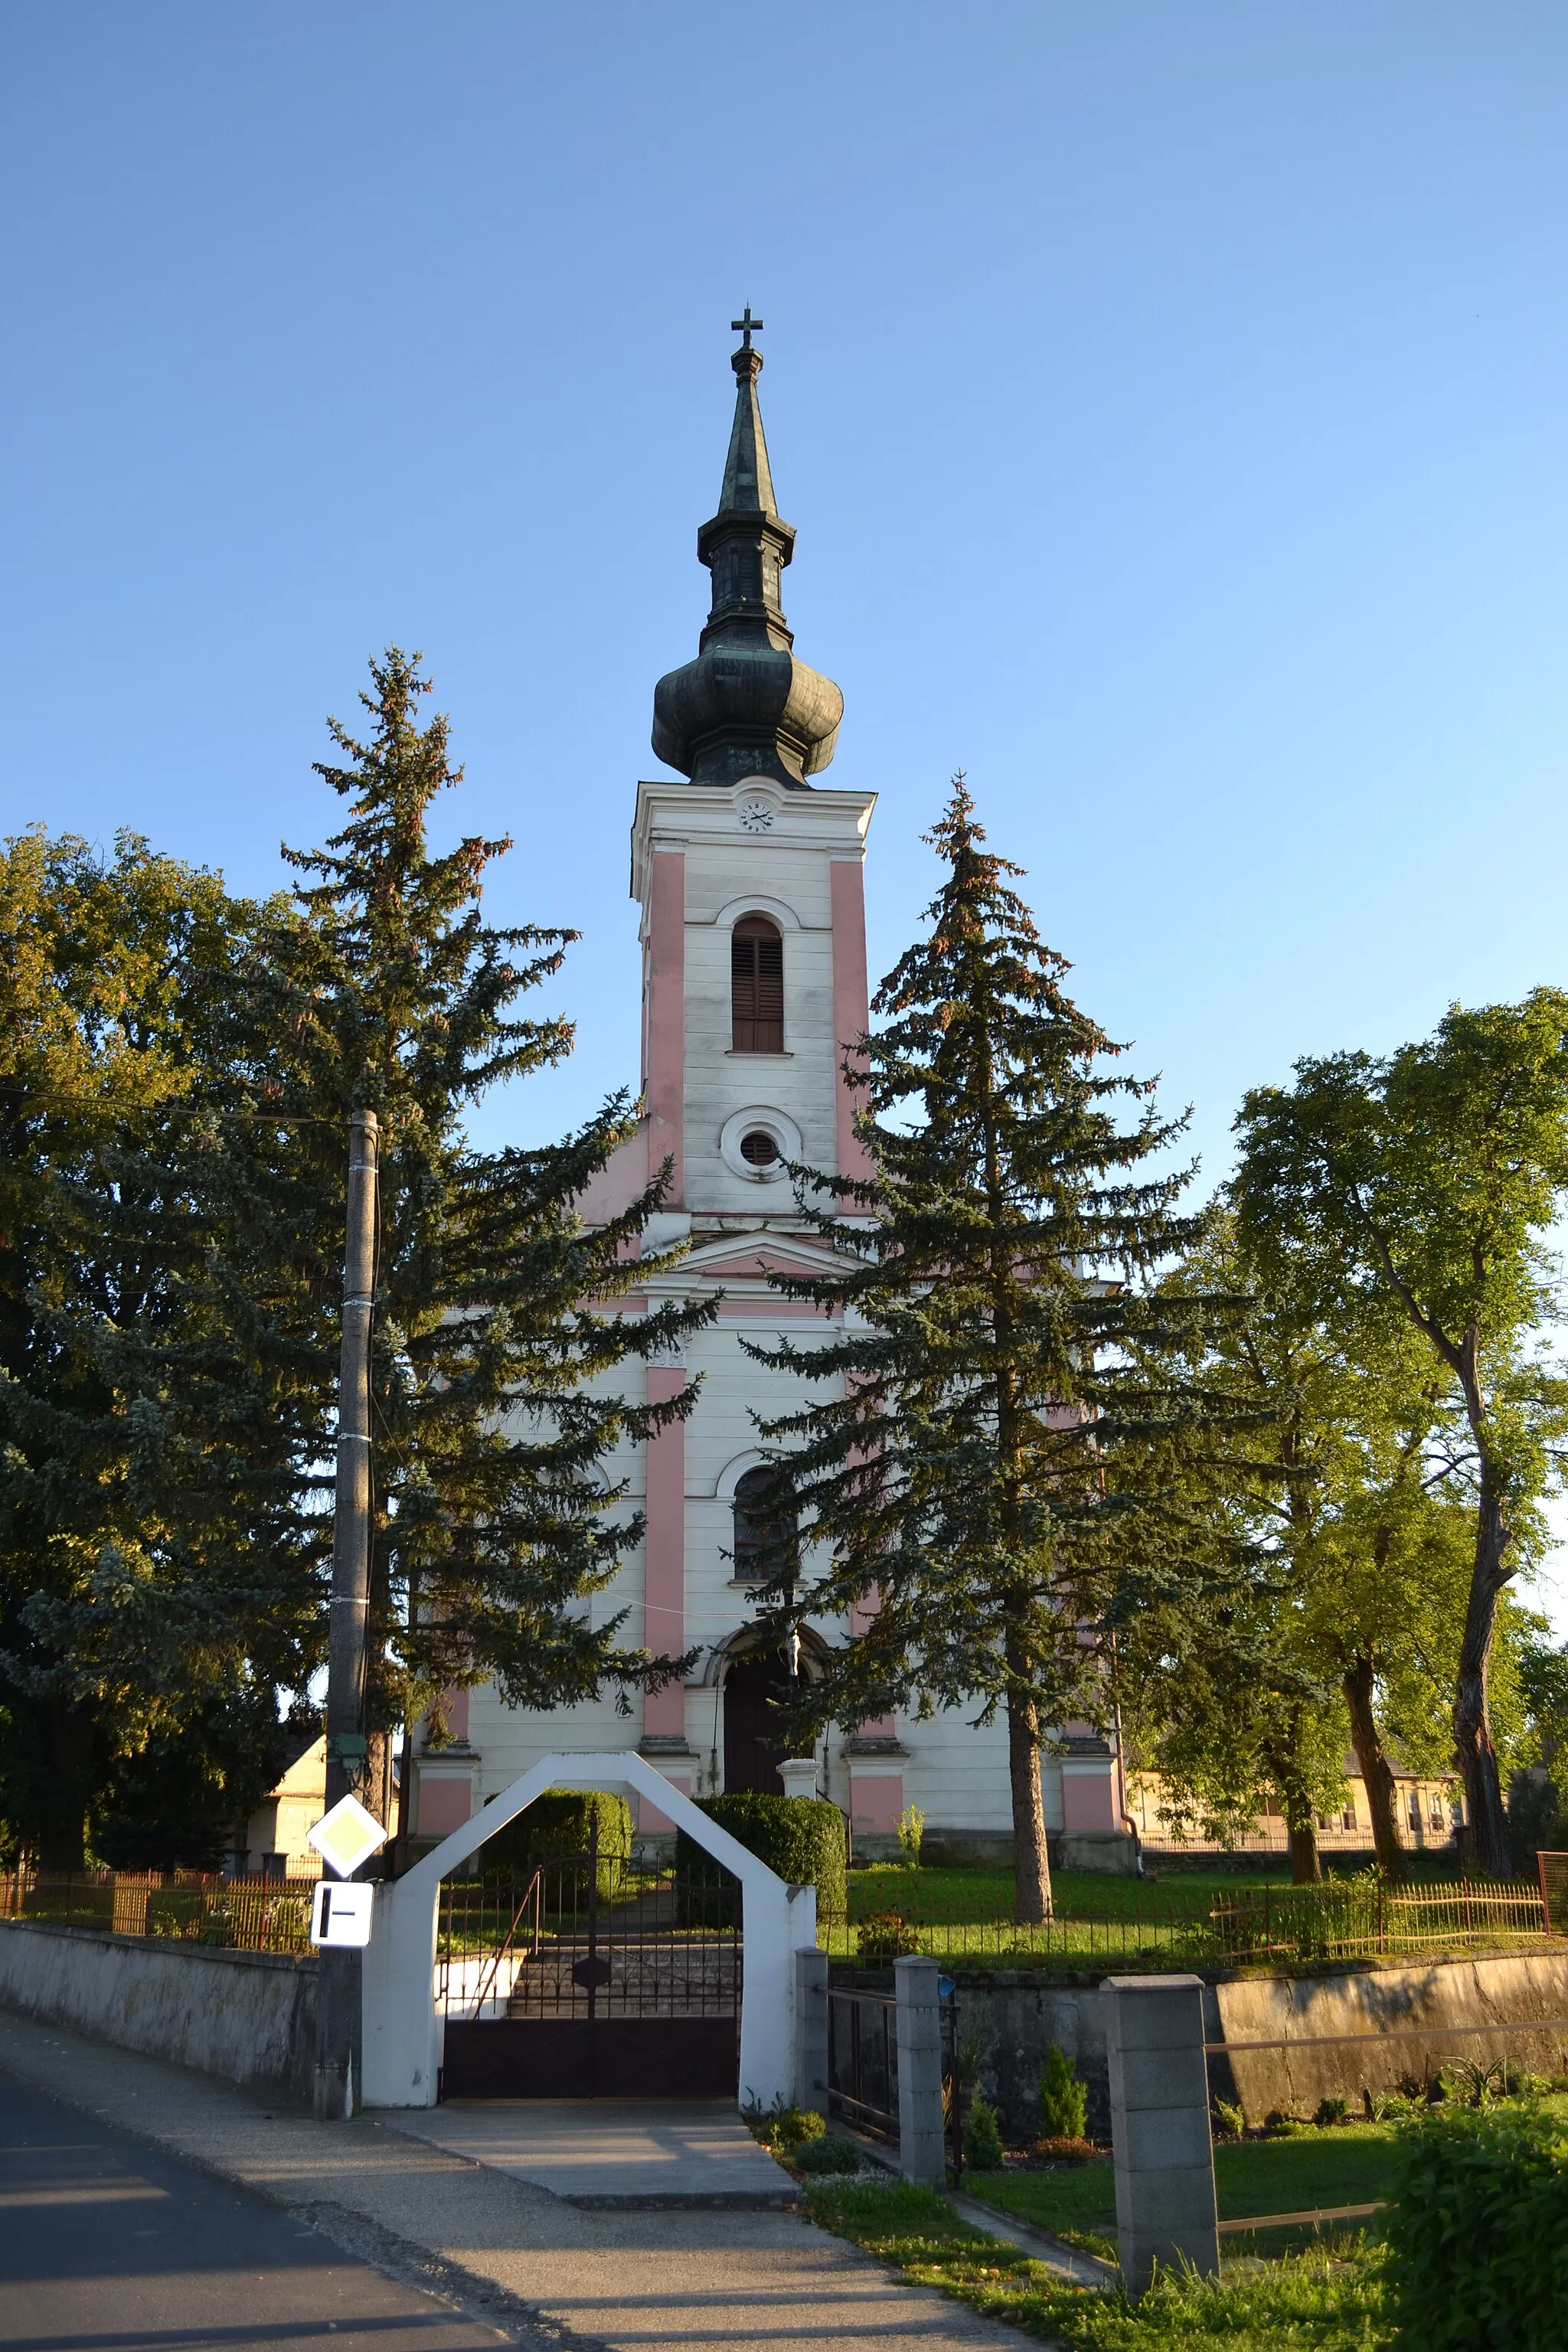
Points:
(759, 1143)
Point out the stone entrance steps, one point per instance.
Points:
(654, 1977)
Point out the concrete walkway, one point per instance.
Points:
(605, 2155)
(541, 2272)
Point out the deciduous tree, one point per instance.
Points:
(112, 972)
(1346, 1497)
(1423, 1185)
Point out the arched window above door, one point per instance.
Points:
(756, 986)
(765, 1540)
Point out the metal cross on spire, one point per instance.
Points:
(743, 327)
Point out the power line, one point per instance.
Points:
(175, 1110)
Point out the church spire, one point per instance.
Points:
(746, 706)
(748, 480)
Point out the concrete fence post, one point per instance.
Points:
(1163, 2148)
(811, 2031)
(923, 2151)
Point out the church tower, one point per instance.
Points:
(747, 869)
(748, 877)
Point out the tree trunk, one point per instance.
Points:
(1306, 1866)
(1282, 1759)
(1477, 1757)
(1376, 1772)
(1031, 1861)
(376, 1794)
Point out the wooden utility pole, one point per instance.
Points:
(338, 1981)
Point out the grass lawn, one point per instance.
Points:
(964, 1916)
(1349, 2165)
(1099, 1920)
(976, 1897)
(1078, 1894)
(1311, 2300)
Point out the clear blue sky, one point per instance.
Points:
(1170, 401)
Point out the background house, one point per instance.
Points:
(272, 1842)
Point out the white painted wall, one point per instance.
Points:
(248, 2017)
(955, 1774)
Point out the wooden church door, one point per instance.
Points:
(754, 1737)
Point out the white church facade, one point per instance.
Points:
(749, 874)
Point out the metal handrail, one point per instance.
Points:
(1393, 2034)
(880, 2121)
(531, 1893)
(1314, 2214)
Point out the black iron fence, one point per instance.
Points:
(863, 2065)
(863, 2062)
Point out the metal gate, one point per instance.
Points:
(594, 1977)
(863, 2065)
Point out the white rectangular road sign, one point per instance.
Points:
(340, 1912)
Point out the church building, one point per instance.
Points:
(748, 868)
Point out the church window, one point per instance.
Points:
(756, 986)
(762, 1538)
(758, 1147)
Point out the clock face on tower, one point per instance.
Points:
(756, 817)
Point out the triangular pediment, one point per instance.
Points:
(750, 1258)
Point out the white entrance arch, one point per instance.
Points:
(401, 2028)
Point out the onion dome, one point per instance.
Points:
(746, 706)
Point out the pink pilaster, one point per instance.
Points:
(876, 1798)
(664, 1555)
(861, 1613)
(444, 1777)
(851, 1005)
(1088, 1795)
(666, 1064)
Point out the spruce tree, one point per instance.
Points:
(496, 1323)
(173, 1104)
(972, 1470)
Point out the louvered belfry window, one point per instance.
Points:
(756, 986)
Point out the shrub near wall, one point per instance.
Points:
(557, 1825)
(801, 1838)
(1478, 2236)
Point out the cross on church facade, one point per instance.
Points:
(744, 327)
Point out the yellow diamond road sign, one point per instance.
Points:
(346, 1836)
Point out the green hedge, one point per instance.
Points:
(801, 1838)
(1478, 2235)
(556, 1824)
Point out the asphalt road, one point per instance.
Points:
(105, 2243)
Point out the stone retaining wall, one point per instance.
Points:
(1010, 2018)
(249, 2017)
(1394, 2002)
